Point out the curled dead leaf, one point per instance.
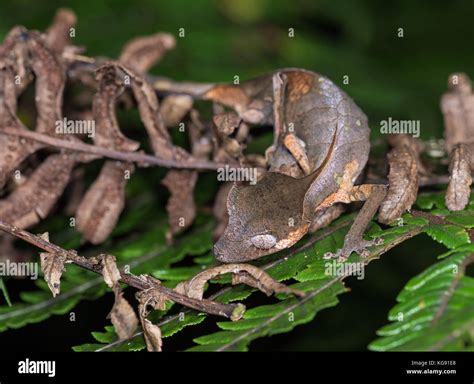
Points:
(50, 80)
(143, 52)
(226, 122)
(152, 334)
(200, 137)
(58, 34)
(108, 132)
(151, 298)
(110, 270)
(52, 265)
(460, 180)
(123, 317)
(457, 106)
(34, 199)
(181, 207)
(148, 108)
(241, 273)
(100, 209)
(403, 181)
(174, 108)
(13, 150)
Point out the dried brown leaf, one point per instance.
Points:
(152, 334)
(459, 187)
(50, 79)
(100, 209)
(226, 123)
(52, 266)
(181, 207)
(57, 35)
(148, 108)
(123, 317)
(201, 138)
(108, 133)
(13, 150)
(242, 273)
(174, 108)
(34, 199)
(227, 149)
(457, 106)
(403, 183)
(143, 52)
(110, 270)
(151, 298)
(14, 53)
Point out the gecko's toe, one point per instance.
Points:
(358, 246)
(378, 241)
(329, 256)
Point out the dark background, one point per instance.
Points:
(389, 76)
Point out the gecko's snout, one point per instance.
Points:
(218, 252)
(226, 252)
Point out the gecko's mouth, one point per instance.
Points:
(238, 252)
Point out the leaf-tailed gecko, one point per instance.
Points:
(321, 145)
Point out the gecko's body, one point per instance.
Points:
(321, 145)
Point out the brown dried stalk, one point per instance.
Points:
(141, 159)
(142, 282)
(403, 178)
(457, 106)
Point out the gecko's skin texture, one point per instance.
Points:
(321, 145)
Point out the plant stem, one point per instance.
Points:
(232, 311)
(132, 157)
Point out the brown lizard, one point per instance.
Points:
(321, 145)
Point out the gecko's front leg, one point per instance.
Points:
(373, 195)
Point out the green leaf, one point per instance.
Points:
(463, 218)
(450, 235)
(435, 309)
(270, 320)
(4, 290)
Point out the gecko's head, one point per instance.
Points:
(263, 219)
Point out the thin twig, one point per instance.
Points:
(132, 157)
(232, 311)
(145, 160)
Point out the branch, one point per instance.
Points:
(232, 311)
(132, 157)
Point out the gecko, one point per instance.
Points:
(320, 148)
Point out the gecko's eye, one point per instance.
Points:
(263, 241)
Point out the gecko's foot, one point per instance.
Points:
(359, 246)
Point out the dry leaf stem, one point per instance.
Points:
(132, 157)
(232, 311)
